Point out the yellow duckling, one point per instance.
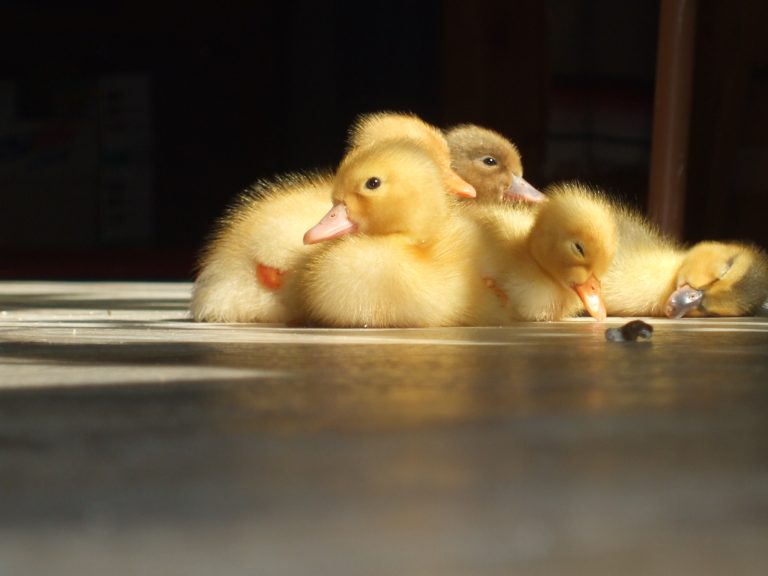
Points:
(258, 242)
(401, 257)
(642, 275)
(257, 245)
(651, 275)
(491, 163)
(552, 256)
(535, 267)
(720, 279)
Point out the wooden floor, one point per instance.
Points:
(133, 441)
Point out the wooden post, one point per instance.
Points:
(671, 115)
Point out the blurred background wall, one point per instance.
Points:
(127, 127)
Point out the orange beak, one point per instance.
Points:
(459, 186)
(333, 225)
(592, 298)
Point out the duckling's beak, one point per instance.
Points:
(682, 301)
(521, 191)
(459, 186)
(334, 224)
(592, 297)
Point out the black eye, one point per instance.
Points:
(372, 183)
(577, 247)
(489, 161)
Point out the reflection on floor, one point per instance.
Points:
(133, 441)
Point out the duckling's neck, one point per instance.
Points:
(421, 244)
(428, 234)
(543, 271)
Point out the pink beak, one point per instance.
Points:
(682, 301)
(521, 191)
(333, 225)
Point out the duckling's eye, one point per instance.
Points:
(578, 248)
(372, 183)
(490, 161)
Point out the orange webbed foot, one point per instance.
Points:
(269, 277)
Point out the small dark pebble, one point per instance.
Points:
(630, 332)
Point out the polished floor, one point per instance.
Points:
(133, 441)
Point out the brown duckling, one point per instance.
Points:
(491, 163)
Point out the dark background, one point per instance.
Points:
(126, 127)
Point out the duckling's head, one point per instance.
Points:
(574, 239)
(491, 163)
(371, 129)
(721, 279)
(391, 187)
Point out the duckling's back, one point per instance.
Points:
(264, 227)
